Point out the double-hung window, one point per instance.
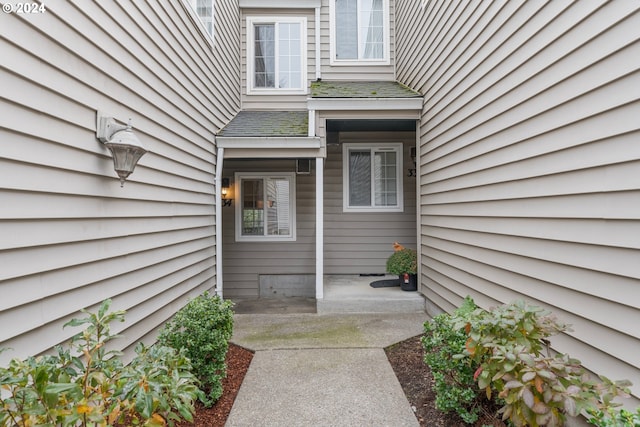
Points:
(372, 177)
(360, 31)
(265, 208)
(276, 54)
(204, 10)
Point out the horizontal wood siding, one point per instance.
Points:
(226, 48)
(70, 237)
(244, 262)
(356, 243)
(530, 163)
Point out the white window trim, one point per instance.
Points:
(362, 62)
(191, 8)
(397, 147)
(238, 176)
(251, 20)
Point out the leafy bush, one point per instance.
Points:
(614, 418)
(454, 383)
(403, 261)
(92, 387)
(159, 382)
(507, 345)
(203, 328)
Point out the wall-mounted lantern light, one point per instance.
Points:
(126, 149)
(224, 191)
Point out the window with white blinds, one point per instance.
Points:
(265, 207)
(372, 177)
(360, 30)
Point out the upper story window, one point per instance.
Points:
(360, 31)
(204, 10)
(372, 176)
(276, 54)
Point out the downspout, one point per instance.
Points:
(319, 228)
(318, 65)
(418, 208)
(319, 211)
(319, 177)
(219, 161)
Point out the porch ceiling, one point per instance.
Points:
(365, 125)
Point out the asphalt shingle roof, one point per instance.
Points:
(296, 123)
(361, 89)
(267, 123)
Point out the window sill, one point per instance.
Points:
(277, 92)
(373, 210)
(265, 239)
(359, 62)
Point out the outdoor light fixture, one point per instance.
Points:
(224, 190)
(225, 186)
(126, 149)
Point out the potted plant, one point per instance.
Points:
(404, 263)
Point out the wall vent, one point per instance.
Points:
(303, 166)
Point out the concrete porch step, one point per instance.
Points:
(342, 294)
(353, 294)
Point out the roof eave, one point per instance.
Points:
(268, 142)
(271, 146)
(305, 4)
(368, 104)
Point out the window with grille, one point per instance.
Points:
(265, 208)
(372, 177)
(360, 30)
(276, 55)
(204, 10)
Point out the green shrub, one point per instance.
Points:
(203, 328)
(403, 261)
(454, 384)
(88, 384)
(614, 418)
(508, 345)
(159, 381)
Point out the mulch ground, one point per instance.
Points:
(238, 361)
(407, 360)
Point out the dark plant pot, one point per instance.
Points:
(409, 282)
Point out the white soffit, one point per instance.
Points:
(271, 147)
(280, 4)
(259, 142)
(369, 104)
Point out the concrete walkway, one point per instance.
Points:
(322, 370)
